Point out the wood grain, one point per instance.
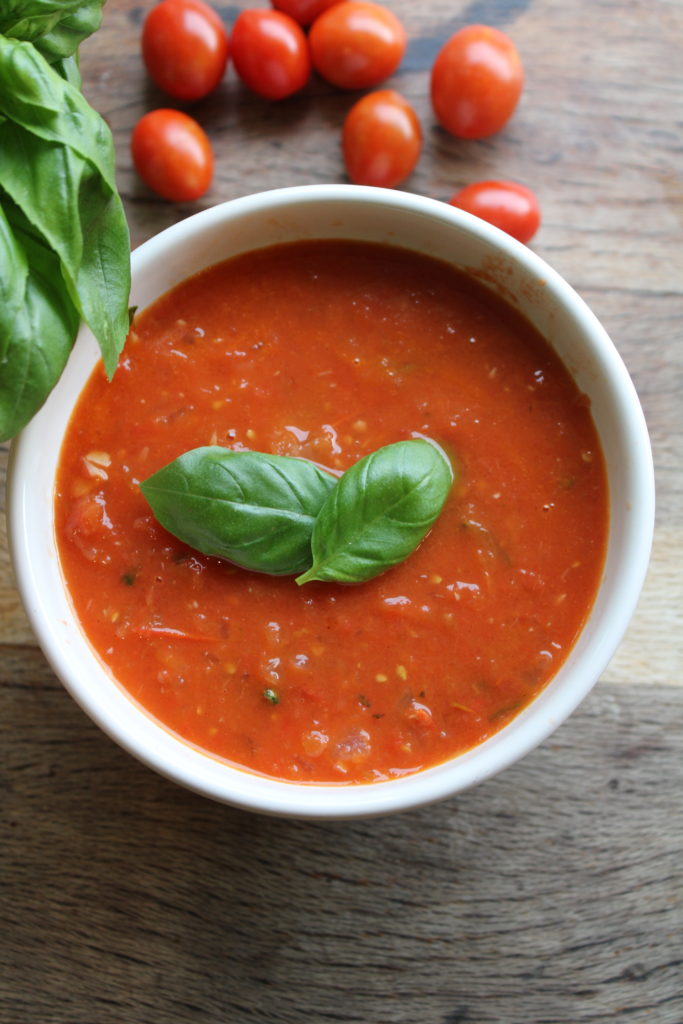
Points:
(549, 895)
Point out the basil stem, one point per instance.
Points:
(251, 508)
(379, 512)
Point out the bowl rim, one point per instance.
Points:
(173, 757)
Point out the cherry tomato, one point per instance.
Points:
(303, 11)
(357, 44)
(511, 207)
(270, 53)
(172, 154)
(185, 48)
(381, 139)
(476, 82)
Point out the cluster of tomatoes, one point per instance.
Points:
(476, 82)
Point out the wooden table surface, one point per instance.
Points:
(552, 893)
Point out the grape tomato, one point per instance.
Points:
(357, 44)
(381, 139)
(476, 82)
(185, 48)
(270, 53)
(303, 11)
(508, 205)
(172, 154)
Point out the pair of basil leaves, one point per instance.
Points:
(281, 515)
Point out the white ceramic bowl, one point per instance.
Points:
(432, 227)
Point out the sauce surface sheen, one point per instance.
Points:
(327, 350)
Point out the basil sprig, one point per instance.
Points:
(379, 512)
(253, 509)
(280, 515)
(64, 242)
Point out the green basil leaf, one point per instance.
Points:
(251, 508)
(38, 324)
(379, 512)
(12, 280)
(55, 27)
(36, 96)
(83, 223)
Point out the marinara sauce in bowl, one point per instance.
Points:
(323, 323)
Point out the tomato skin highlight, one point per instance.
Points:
(357, 44)
(185, 48)
(270, 53)
(476, 82)
(381, 139)
(303, 11)
(172, 154)
(508, 205)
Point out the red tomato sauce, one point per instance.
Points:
(327, 350)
